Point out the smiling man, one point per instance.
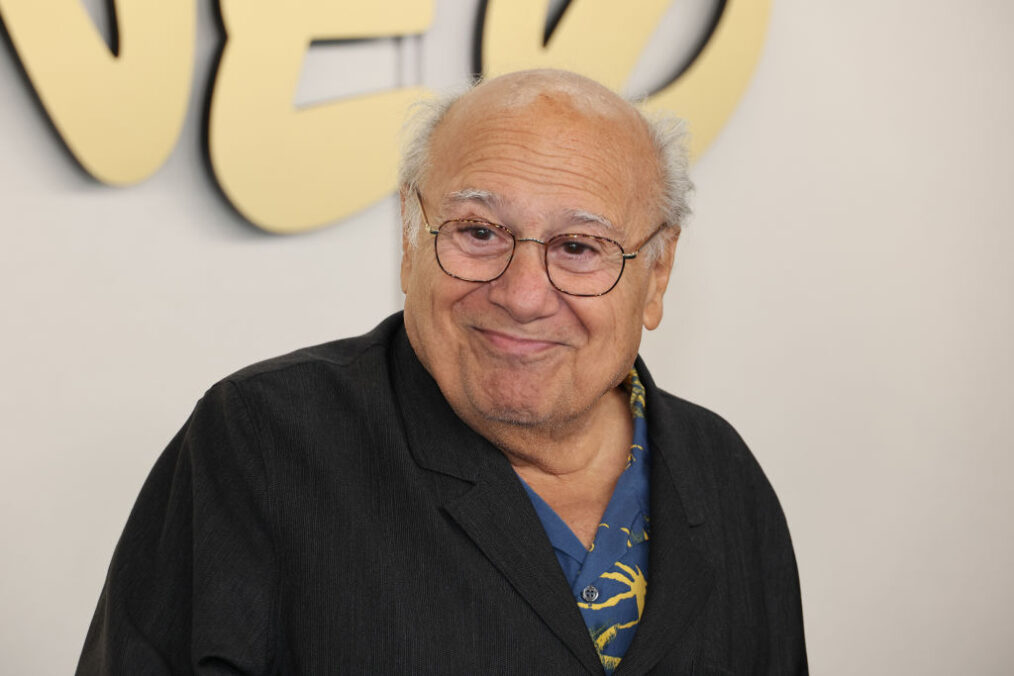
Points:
(489, 482)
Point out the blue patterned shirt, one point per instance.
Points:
(609, 581)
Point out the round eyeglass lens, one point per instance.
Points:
(583, 265)
(474, 250)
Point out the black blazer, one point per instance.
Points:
(326, 512)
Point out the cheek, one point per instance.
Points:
(423, 278)
(423, 293)
(413, 269)
(447, 304)
(621, 322)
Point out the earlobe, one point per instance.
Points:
(406, 264)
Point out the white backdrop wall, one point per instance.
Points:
(845, 296)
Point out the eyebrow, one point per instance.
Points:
(484, 197)
(589, 218)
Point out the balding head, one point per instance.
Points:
(540, 190)
(521, 89)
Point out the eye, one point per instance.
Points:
(581, 255)
(478, 232)
(574, 247)
(476, 238)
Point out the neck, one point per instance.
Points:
(573, 467)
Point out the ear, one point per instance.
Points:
(658, 280)
(406, 245)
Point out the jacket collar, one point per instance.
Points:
(438, 439)
(678, 438)
(680, 579)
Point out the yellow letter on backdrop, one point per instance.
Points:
(119, 115)
(289, 170)
(604, 38)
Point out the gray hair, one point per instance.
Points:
(668, 135)
(424, 117)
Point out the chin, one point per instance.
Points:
(508, 405)
(513, 417)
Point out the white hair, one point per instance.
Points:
(668, 136)
(424, 117)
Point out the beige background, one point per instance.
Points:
(844, 297)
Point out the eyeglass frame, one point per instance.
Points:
(624, 256)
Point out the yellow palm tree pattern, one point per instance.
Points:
(637, 587)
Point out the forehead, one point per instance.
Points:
(550, 150)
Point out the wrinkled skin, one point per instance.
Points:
(532, 369)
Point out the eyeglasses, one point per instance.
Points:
(576, 264)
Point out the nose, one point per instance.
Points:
(524, 290)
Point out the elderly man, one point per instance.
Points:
(490, 482)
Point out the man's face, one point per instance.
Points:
(516, 350)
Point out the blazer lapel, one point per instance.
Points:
(515, 542)
(680, 579)
(487, 501)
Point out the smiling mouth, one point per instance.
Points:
(516, 346)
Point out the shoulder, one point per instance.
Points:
(341, 379)
(710, 463)
(706, 419)
(365, 351)
(698, 437)
(312, 407)
(705, 435)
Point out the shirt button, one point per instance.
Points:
(590, 593)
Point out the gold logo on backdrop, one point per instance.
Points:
(587, 40)
(287, 169)
(119, 114)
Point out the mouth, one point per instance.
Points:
(511, 345)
